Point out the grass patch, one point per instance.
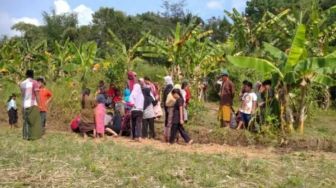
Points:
(65, 160)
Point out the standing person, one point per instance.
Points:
(12, 111)
(45, 98)
(178, 119)
(248, 106)
(137, 102)
(186, 96)
(100, 112)
(167, 108)
(131, 76)
(32, 128)
(87, 115)
(148, 115)
(226, 99)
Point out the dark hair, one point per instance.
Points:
(40, 79)
(177, 91)
(11, 97)
(267, 82)
(249, 84)
(245, 82)
(147, 78)
(184, 84)
(87, 92)
(30, 73)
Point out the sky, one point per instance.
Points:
(30, 11)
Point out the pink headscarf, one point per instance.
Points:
(131, 79)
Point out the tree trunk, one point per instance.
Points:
(302, 109)
(286, 113)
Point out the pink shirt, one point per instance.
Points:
(28, 88)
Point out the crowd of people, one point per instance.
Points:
(35, 100)
(253, 98)
(134, 111)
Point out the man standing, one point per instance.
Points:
(226, 99)
(32, 128)
(45, 97)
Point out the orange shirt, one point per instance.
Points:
(45, 95)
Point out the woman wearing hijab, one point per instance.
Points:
(131, 79)
(168, 108)
(149, 114)
(137, 101)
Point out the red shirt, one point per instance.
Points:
(45, 95)
(110, 92)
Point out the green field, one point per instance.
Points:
(66, 160)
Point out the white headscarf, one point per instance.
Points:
(137, 98)
(168, 80)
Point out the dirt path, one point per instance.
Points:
(233, 151)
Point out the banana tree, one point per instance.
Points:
(248, 35)
(85, 56)
(295, 70)
(182, 50)
(121, 53)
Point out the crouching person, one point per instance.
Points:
(87, 116)
(178, 119)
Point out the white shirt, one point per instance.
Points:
(247, 103)
(11, 104)
(28, 89)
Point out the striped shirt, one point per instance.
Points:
(28, 88)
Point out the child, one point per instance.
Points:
(45, 98)
(178, 119)
(248, 107)
(100, 113)
(12, 111)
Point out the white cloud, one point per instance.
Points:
(27, 20)
(6, 24)
(215, 5)
(61, 7)
(84, 14)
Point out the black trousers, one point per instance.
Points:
(148, 124)
(178, 128)
(136, 119)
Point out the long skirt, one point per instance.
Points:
(12, 116)
(32, 128)
(100, 118)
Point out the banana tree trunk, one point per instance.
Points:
(286, 113)
(302, 109)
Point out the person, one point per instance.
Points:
(100, 113)
(45, 98)
(227, 92)
(32, 128)
(137, 102)
(151, 86)
(186, 97)
(109, 124)
(131, 79)
(242, 91)
(12, 111)
(148, 115)
(111, 92)
(168, 109)
(87, 115)
(178, 119)
(248, 106)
